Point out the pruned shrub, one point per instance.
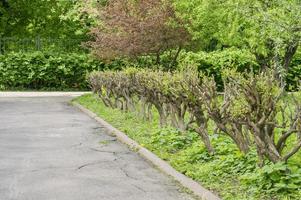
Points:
(254, 110)
(273, 118)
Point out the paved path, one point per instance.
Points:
(51, 151)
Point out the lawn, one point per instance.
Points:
(228, 173)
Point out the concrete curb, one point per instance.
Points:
(186, 182)
(42, 94)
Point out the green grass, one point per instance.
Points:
(228, 173)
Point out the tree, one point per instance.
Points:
(136, 28)
(269, 29)
(21, 19)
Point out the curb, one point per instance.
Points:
(186, 182)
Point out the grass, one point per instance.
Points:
(228, 173)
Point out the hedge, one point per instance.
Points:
(67, 71)
(40, 70)
(213, 63)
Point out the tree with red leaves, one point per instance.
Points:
(130, 28)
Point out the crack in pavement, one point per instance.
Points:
(102, 151)
(139, 188)
(94, 163)
(106, 151)
(122, 168)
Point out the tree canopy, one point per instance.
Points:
(269, 29)
(135, 28)
(29, 18)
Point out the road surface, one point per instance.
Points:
(51, 151)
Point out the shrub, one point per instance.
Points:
(254, 110)
(39, 70)
(213, 63)
(260, 105)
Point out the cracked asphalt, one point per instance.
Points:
(51, 151)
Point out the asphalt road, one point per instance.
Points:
(51, 151)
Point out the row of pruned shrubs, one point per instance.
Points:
(254, 110)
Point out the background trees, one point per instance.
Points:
(24, 23)
(31, 18)
(268, 29)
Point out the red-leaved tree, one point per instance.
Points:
(132, 28)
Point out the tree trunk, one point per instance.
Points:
(289, 54)
(236, 136)
(158, 58)
(162, 115)
(174, 60)
(202, 131)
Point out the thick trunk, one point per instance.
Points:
(149, 111)
(202, 131)
(129, 104)
(181, 124)
(158, 58)
(173, 119)
(177, 112)
(236, 136)
(289, 54)
(240, 138)
(143, 110)
(265, 145)
(105, 100)
(174, 60)
(162, 115)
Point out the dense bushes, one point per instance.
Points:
(37, 70)
(213, 63)
(252, 111)
(48, 70)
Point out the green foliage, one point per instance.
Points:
(229, 173)
(46, 70)
(294, 73)
(170, 140)
(212, 23)
(241, 23)
(213, 63)
(274, 178)
(45, 18)
(270, 30)
(42, 24)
